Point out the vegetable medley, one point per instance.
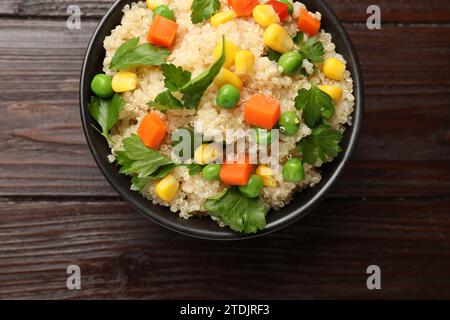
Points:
(291, 37)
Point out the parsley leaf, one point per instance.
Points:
(203, 10)
(175, 77)
(194, 168)
(194, 90)
(299, 38)
(165, 101)
(240, 213)
(130, 55)
(316, 105)
(138, 184)
(323, 143)
(312, 50)
(106, 112)
(273, 55)
(137, 159)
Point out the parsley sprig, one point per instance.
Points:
(142, 163)
(316, 105)
(322, 144)
(131, 55)
(312, 49)
(239, 212)
(106, 112)
(203, 10)
(179, 80)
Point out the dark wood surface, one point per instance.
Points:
(390, 208)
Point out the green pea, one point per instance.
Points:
(228, 97)
(262, 136)
(101, 86)
(211, 172)
(293, 170)
(291, 62)
(164, 11)
(289, 123)
(253, 187)
(290, 6)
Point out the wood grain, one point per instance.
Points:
(390, 208)
(346, 10)
(324, 256)
(404, 149)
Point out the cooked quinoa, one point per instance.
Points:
(192, 51)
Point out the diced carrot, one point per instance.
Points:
(236, 173)
(162, 32)
(308, 24)
(243, 8)
(280, 8)
(152, 130)
(262, 111)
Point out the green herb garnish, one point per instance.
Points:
(130, 55)
(178, 80)
(175, 77)
(312, 50)
(106, 112)
(298, 39)
(137, 159)
(203, 10)
(273, 55)
(316, 105)
(194, 168)
(194, 90)
(240, 213)
(323, 143)
(138, 184)
(166, 101)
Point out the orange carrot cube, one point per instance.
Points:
(152, 130)
(262, 111)
(162, 32)
(236, 173)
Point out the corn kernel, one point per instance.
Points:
(227, 77)
(152, 4)
(333, 69)
(206, 153)
(334, 92)
(167, 188)
(265, 15)
(276, 38)
(222, 17)
(230, 52)
(244, 60)
(266, 175)
(124, 81)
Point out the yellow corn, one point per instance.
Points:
(167, 188)
(222, 17)
(266, 175)
(333, 69)
(276, 38)
(334, 92)
(227, 77)
(265, 15)
(230, 52)
(124, 81)
(244, 60)
(152, 4)
(206, 153)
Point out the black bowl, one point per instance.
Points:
(205, 228)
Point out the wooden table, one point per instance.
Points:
(391, 208)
